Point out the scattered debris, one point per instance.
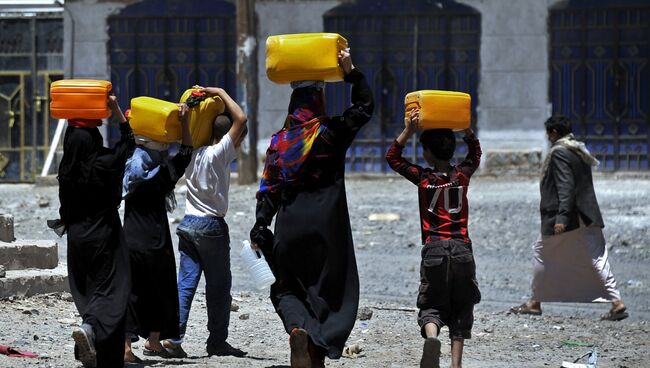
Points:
(570, 342)
(43, 202)
(559, 328)
(244, 316)
(234, 307)
(389, 216)
(353, 351)
(489, 329)
(364, 314)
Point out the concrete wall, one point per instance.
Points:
(513, 89)
(85, 39)
(279, 17)
(514, 78)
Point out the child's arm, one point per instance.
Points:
(239, 119)
(394, 155)
(473, 158)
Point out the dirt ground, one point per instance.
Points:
(503, 224)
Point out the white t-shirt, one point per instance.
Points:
(208, 179)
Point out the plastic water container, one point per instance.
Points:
(257, 266)
(155, 119)
(80, 99)
(304, 56)
(201, 118)
(440, 109)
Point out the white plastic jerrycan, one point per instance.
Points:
(256, 264)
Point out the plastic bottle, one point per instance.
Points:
(256, 265)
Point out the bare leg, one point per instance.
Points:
(153, 342)
(129, 357)
(457, 352)
(431, 330)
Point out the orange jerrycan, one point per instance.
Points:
(155, 119)
(202, 116)
(304, 56)
(440, 109)
(80, 99)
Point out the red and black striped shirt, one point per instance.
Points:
(443, 198)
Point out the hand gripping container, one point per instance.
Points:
(304, 56)
(256, 265)
(201, 118)
(80, 99)
(155, 119)
(440, 109)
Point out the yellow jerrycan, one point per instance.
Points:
(202, 116)
(155, 119)
(304, 56)
(440, 109)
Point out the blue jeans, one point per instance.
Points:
(204, 246)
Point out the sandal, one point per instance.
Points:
(162, 353)
(526, 309)
(615, 315)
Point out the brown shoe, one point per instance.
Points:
(299, 344)
(617, 313)
(526, 309)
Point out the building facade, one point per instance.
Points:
(521, 60)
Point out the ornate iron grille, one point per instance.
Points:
(26, 128)
(161, 48)
(600, 78)
(402, 47)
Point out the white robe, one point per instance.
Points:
(573, 267)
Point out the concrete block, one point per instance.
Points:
(6, 229)
(46, 181)
(510, 162)
(32, 282)
(24, 254)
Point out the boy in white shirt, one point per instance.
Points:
(204, 242)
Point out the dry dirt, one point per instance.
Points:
(503, 224)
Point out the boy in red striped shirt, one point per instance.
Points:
(448, 288)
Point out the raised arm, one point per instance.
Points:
(239, 119)
(394, 155)
(473, 158)
(126, 144)
(363, 104)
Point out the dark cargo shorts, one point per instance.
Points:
(448, 288)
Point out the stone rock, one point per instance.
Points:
(234, 307)
(6, 229)
(244, 316)
(26, 254)
(3, 272)
(364, 314)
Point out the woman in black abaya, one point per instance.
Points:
(148, 191)
(312, 254)
(89, 191)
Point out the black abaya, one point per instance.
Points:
(317, 287)
(154, 299)
(89, 191)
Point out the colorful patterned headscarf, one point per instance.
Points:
(290, 146)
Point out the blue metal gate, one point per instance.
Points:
(402, 46)
(160, 48)
(600, 77)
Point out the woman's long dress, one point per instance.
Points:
(313, 259)
(90, 178)
(154, 296)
